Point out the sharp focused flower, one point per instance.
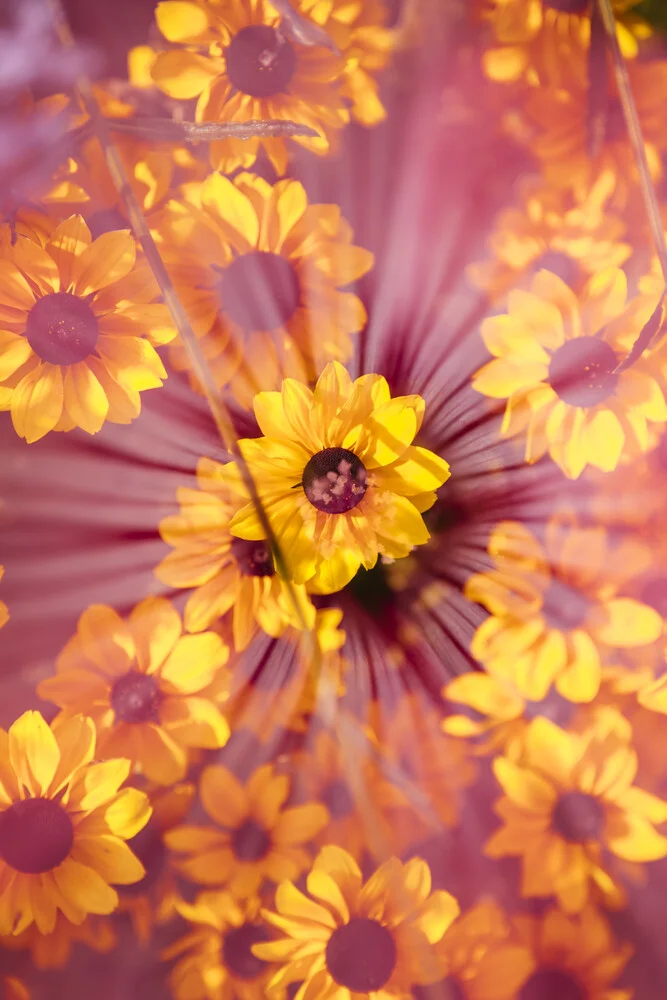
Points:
(229, 574)
(63, 824)
(347, 938)
(241, 66)
(556, 357)
(257, 266)
(339, 476)
(74, 347)
(143, 683)
(571, 799)
(572, 958)
(257, 837)
(215, 959)
(54, 950)
(553, 609)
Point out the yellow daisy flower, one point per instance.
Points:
(338, 474)
(143, 683)
(229, 574)
(349, 939)
(558, 118)
(152, 901)
(550, 229)
(257, 837)
(64, 824)
(532, 37)
(572, 958)
(215, 959)
(54, 950)
(572, 799)
(74, 348)
(480, 960)
(240, 66)
(553, 609)
(256, 265)
(555, 362)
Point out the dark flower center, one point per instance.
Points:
(564, 607)
(578, 817)
(361, 955)
(148, 846)
(135, 698)
(654, 593)
(250, 842)
(582, 371)
(334, 480)
(36, 835)
(551, 984)
(236, 953)
(253, 558)
(259, 291)
(338, 799)
(62, 328)
(260, 62)
(446, 989)
(567, 6)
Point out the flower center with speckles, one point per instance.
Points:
(236, 951)
(250, 842)
(334, 480)
(135, 698)
(259, 291)
(62, 329)
(582, 371)
(551, 984)
(36, 835)
(253, 558)
(578, 817)
(260, 62)
(564, 607)
(361, 955)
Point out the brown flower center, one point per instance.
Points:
(582, 371)
(260, 62)
(236, 951)
(551, 984)
(564, 607)
(578, 817)
(259, 291)
(62, 328)
(36, 835)
(253, 558)
(334, 480)
(250, 842)
(361, 955)
(135, 698)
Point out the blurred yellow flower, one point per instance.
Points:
(143, 683)
(54, 950)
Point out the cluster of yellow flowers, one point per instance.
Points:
(267, 759)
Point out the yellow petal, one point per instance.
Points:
(184, 75)
(15, 294)
(102, 781)
(156, 628)
(195, 722)
(628, 623)
(300, 823)
(194, 661)
(33, 752)
(523, 787)
(632, 838)
(14, 351)
(128, 813)
(604, 439)
(84, 888)
(85, 399)
(386, 435)
(68, 240)
(180, 21)
(109, 857)
(417, 471)
(37, 402)
(292, 903)
(223, 796)
(108, 258)
(233, 209)
(500, 378)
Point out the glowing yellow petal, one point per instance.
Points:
(300, 823)
(292, 903)
(109, 857)
(84, 888)
(102, 781)
(128, 813)
(14, 351)
(417, 471)
(69, 239)
(85, 399)
(551, 749)
(386, 435)
(33, 752)
(500, 378)
(524, 787)
(233, 209)
(37, 402)
(604, 439)
(628, 623)
(180, 21)
(632, 838)
(195, 722)
(194, 661)
(184, 75)
(109, 258)
(223, 796)
(156, 628)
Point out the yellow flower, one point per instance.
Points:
(572, 799)
(257, 838)
(534, 36)
(571, 957)
(152, 902)
(215, 959)
(75, 347)
(552, 610)
(228, 573)
(551, 229)
(54, 950)
(338, 474)
(555, 361)
(349, 939)
(142, 682)
(557, 115)
(256, 265)
(241, 67)
(64, 824)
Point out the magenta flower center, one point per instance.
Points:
(361, 955)
(578, 817)
(36, 835)
(582, 371)
(62, 329)
(135, 698)
(334, 480)
(260, 62)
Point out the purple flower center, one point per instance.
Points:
(582, 371)
(250, 842)
(361, 955)
(236, 951)
(36, 835)
(259, 291)
(334, 480)
(578, 817)
(253, 558)
(260, 62)
(551, 984)
(62, 329)
(135, 698)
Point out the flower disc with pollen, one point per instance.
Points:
(36, 835)
(62, 328)
(578, 817)
(259, 291)
(582, 371)
(334, 480)
(237, 954)
(135, 697)
(361, 955)
(260, 61)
